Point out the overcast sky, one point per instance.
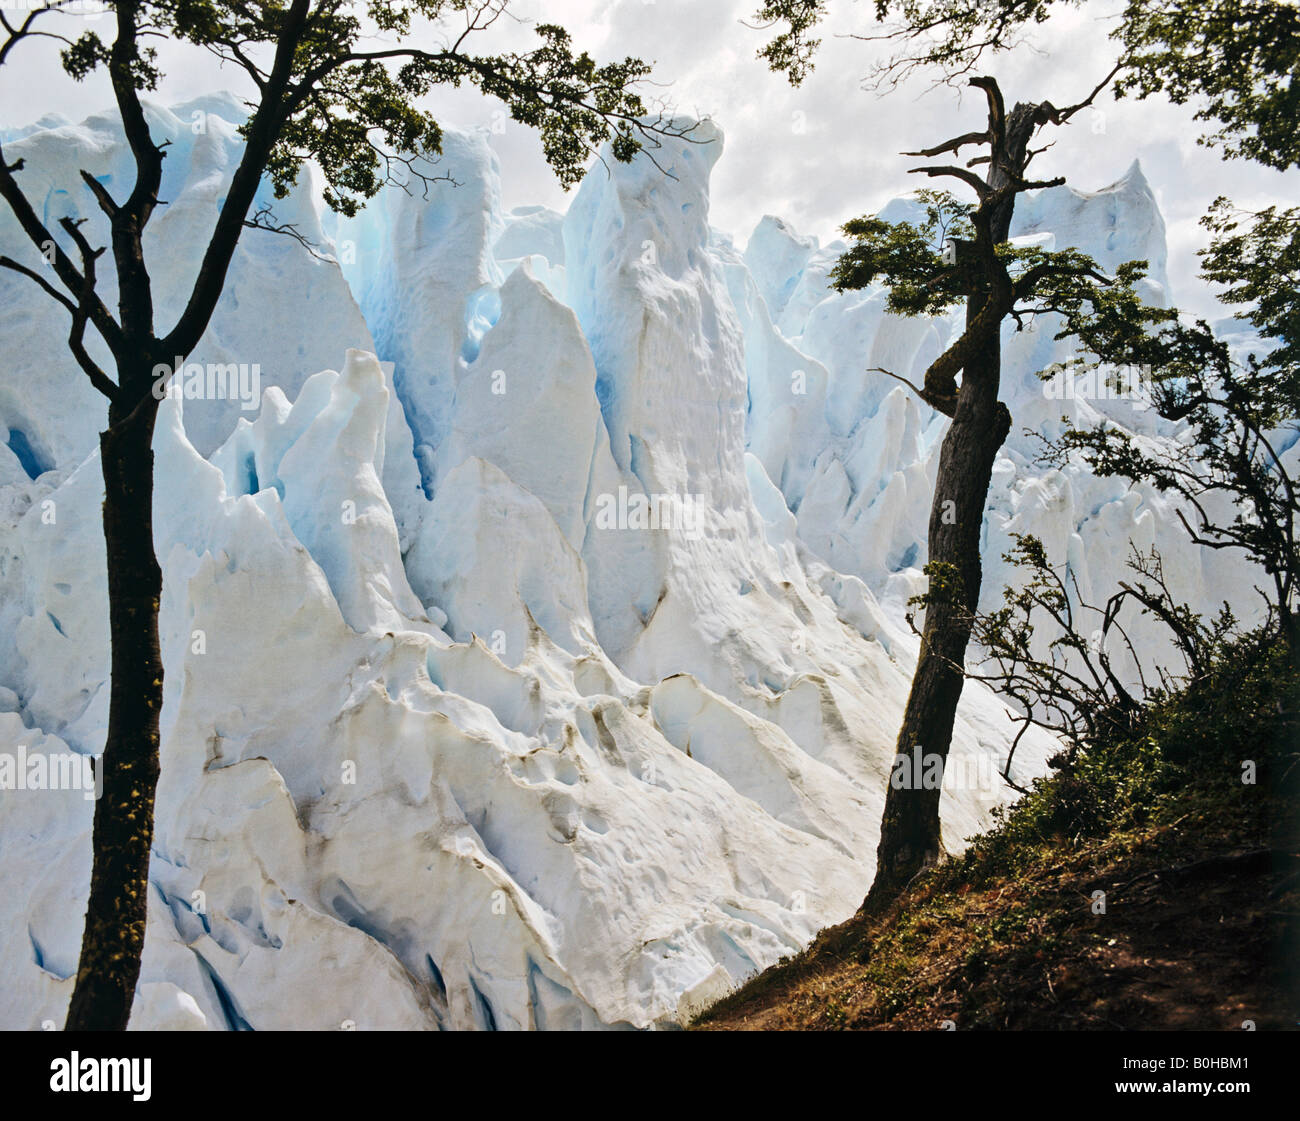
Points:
(816, 155)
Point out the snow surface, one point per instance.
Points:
(443, 746)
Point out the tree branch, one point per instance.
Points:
(259, 141)
(48, 247)
(968, 177)
(34, 276)
(954, 145)
(1063, 115)
(105, 200)
(76, 338)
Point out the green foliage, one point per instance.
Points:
(338, 130)
(1241, 56)
(968, 29)
(352, 109)
(907, 257)
(90, 52)
(1256, 256)
(1187, 750)
(1238, 411)
(948, 35)
(1237, 414)
(791, 51)
(943, 586)
(1096, 309)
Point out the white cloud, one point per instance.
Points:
(816, 155)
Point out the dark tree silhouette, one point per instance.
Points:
(320, 95)
(927, 268)
(1241, 52)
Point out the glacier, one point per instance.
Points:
(442, 747)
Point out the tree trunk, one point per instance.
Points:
(123, 832)
(909, 829)
(1289, 626)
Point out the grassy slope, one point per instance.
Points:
(1200, 871)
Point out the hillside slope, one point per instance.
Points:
(1197, 928)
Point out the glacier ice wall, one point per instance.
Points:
(534, 648)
